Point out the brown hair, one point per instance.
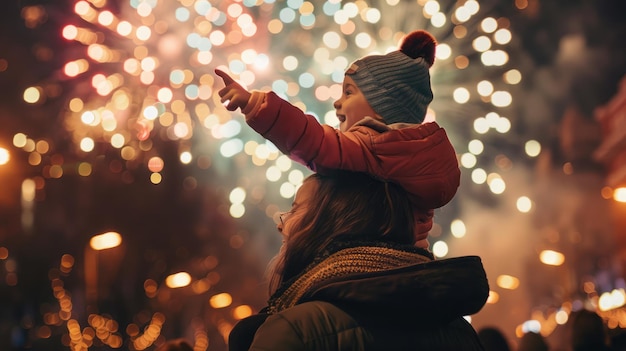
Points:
(344, 204)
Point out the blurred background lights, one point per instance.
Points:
(513, 76)
(178, 280)
(241, 312)
(155, 164)
(496, 184)
(237, 195)
(524, 204)
(551, 257)
(501, 98)
(489, 25)
(186, 157)
(4, 156)
(484, 88)
(561, 317)
(220, 300)
(443, 51)
(273, 173)
(532, 325)
(508, 282)
(440, 248)
(479, 176)
(32, 95)
(287, 190)
(611, 300)
(532, 148)
(493, 297)
(457, 228)
(237, 210)
(481, 126)
(461, 95)
(105, 241)
(468, 160)
(87, 144)
(19, 140)
(502, 36)
(620, 194)
(475, 146)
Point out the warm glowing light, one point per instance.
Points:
(105, 241)
(440, 249)
(287, 190)
(497, 185)
(561, 317)
(489, 25)
(507, 282)
(20, 140)
(237, 195)
(87, 144)
(513, 76)
(237, 210)
(551, 258)
(475, 146)
(611, 300)
(461, 95)
(479, 176)
(493, 297)
(156, 178)
(178, 280)
(532, 325)
(524, 204)
(457, 228)
(28, 190)
(468, 160)
(241, 312)
(186, 157)
(532, 148)
(620, 194)
(220, 300)
(32, 95)
(4, 156)
(156, 164)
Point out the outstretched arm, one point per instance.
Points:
(296, 134)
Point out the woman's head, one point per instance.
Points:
(342, 204)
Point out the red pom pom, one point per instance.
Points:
(420, 43)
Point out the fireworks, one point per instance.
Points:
(140, 74)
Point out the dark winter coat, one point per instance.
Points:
(414, 306)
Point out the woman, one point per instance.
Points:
(348, 276)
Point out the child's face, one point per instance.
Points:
(352, 106)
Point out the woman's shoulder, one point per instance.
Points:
(313, 325)
(326, 317)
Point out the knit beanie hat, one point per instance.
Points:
(397, 85)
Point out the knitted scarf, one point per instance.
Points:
(343, 263)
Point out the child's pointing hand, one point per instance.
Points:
(236, 95)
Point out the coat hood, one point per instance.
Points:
(440, 290)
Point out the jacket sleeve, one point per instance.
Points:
(301, 137)
(312, 326)
(277, 334)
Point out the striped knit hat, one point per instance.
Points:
(397, 85)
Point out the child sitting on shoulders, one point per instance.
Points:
(381, 131)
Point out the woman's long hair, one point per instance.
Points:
(344, 204)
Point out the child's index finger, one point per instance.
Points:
(225, 77)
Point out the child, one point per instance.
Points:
(381, 110)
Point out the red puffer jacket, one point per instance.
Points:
(420, 158)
